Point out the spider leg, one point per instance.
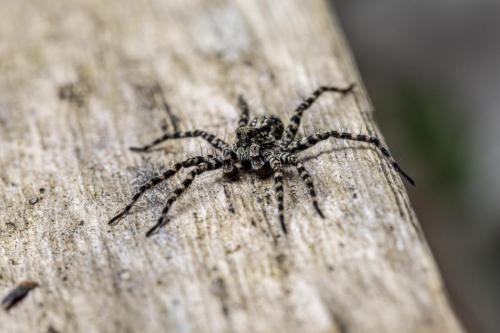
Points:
(229, 169)
(311, 140)
(210, 138)
(278, 189)
(256, 160)
(211, 164)
(292, 128)
(190, 162)
(305, 176)
(244, 111)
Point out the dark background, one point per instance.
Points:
(432, 68)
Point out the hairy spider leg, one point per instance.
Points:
(210, 138)
(288, 158)
(190, 162)
(255, 158)
(311, 140)
(307, 179)
(294, 124)
(278, 189)
(228, 158)
(244, 111)
(209, 165)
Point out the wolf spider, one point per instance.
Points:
(263, 146)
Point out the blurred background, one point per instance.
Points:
(432, 69)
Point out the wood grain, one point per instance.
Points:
(81, 80)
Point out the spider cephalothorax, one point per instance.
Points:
(263, 146)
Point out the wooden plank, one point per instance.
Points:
(84, 79)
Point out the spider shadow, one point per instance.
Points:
(152, 150)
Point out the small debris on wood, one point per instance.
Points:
(34, 200)
(18, 294)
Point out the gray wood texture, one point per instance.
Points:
(81, 80)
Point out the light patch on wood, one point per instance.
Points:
(221, 31)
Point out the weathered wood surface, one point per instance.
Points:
(83, 80)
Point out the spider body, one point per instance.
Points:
(262, 145)
(257, 140)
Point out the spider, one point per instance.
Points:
(263, 145)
